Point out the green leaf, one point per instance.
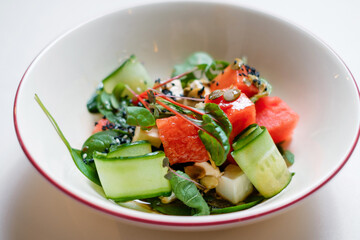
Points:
(113, 109)
(100, 142)
(217, 144)
(176, 207)
(198, 61)
(218, 114)
(287, 155)
(187, 192)
(88, 170)
(92, 104)
(239, 207)
(139, 116)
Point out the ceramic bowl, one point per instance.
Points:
(303, 71)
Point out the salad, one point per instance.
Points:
(208, 140)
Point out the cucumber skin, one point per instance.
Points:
(132, 73)
(131, 149)
(125, 185)
(268, 178)
(246, 136)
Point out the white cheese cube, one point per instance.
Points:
(151, 135)
(234, 185)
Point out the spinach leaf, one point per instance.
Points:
(88, 170)
(176, 207)
(100, 142)
(198, 61)
(238, 207)
(187, 192)
(287, 155)
(201, 59)
(215, 111)
(92, 104)
(139, 116)
(113, 109)
(217, 144)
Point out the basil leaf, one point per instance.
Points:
(139, 116)
(215, 111)
(88, 170)
(238, 207)
(176, 207)
(217, 144)
(187, 192)
(100, 142)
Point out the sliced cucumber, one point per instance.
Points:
(263, 164)
(128, 178)
(131, 149)
(247, 135)
(131, 73)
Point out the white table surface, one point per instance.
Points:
(31, 208)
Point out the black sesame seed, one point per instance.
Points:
(96, 123)
(201, 91)
(167, 92)
(217, 83)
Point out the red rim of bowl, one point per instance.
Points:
(183, 224)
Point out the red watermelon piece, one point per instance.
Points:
(279, 119)
(233, 78)
(181, 141)
(101, 125)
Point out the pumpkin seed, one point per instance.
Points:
(236, 65)
(216, 94)
(231, 94)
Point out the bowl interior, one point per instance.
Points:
(303, 72)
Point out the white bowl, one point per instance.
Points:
(304, 72)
